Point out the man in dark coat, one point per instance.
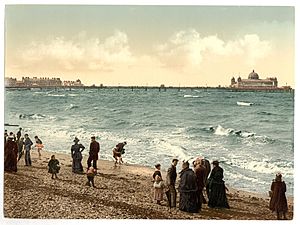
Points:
(27, 146)
(188, 200)
(278, 202)
(170, 184)
(216, 188)
(10, 155)
(200, 172)
(93, 154)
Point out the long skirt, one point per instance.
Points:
(76, 163)
(217, 196)
(158, 194)
(188, 202)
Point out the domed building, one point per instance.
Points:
(253, 82)
(253, 76)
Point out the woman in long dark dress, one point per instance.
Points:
(216, 188)
(76, 150)
(10, 155)
(278, 202)
(188, 199)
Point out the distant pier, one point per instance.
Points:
(146, 88)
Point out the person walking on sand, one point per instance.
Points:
(27, 145)
(118, 151)
(93, 154)
(158, 184)
(54, 167)
(10, 155)
(188, 201)
(39, 145)
(278, 202)
(76, 150)
(90, 173)
(170, 184)
(216, 188)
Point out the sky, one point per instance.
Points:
(186, 45)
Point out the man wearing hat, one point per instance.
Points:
(93, 154)
(170, 184)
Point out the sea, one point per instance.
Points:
(252, 142)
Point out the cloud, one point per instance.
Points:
(189, 49)
(80, 52)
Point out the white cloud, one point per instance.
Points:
(188, 48)
(80, 52)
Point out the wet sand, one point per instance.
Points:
(122, 192)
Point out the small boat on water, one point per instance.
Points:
(244, 103)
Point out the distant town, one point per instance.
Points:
(252, 83)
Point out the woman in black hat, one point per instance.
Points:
(76, 150)
(216, 188)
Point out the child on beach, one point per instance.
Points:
(90, 173)
(53, 166)
(158, 185)
(39, 145)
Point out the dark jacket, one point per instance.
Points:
(171, 175)
(94, 150)
(53, 166)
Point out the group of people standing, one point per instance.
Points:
(191, 185)
(14, 148)
(76, 154)
(193, 182)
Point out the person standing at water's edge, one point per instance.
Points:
(76, 150)
(278, 202)
(39, 145)
(216, 188)
(27, 143)
(93, 154)
(170, 184)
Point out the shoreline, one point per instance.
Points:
(122, 192)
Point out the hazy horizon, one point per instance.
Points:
(150, 45)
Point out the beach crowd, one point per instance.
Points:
(198, 185)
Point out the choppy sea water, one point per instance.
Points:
(252, 143)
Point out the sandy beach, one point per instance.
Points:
(122, 192)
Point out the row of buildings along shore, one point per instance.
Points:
(40, 82)
(252, 83)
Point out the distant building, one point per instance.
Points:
(253, 82)
(76, 83)
(9, 81)
(42, 81)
